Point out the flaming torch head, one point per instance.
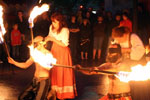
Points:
(138, 73)
(2, 28)
(41, 55)
(37, 11)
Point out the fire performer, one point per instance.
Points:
(134, 53)
(117, 90)
(62, 79)
(40, 85)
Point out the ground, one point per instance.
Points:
(13, 80)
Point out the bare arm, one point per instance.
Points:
(23, 65)
(49, 38)
(80, 69)
(89, 71)
(105, 66)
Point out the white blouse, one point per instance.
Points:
(137, 47)
(63, 36)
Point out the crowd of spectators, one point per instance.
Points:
(89, 32)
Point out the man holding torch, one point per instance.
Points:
(134, 53)
(117, 90)
(40, 85)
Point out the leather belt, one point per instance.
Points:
(114, 96)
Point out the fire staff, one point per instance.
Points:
(40, 85)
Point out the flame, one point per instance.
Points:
(2, 28)
(40, 1)
(42, 56)
(37, 11)
(138, 73)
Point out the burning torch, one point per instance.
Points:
(137, 73)
(3, 31)
(34, 13)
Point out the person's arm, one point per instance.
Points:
(49, 38)
(23, 65)
(107, 67)
(94, 70)
(64, 41)
(86, 72)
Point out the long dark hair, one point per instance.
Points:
(59, 17)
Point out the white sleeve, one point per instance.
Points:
(65, 36)
(137, 49)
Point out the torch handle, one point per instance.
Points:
(6, 48)
(65, 66)
(99, 71)
(31, 30)
(87, 69)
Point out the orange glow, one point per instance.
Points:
(37, 11)
(6, 90)
(42, 56)
(2, 28)
(138, 73)
(81, 6)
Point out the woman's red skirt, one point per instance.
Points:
(63, 79)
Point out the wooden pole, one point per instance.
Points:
(31, 31)
(87, 69)
(5, 45)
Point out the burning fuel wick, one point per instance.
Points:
(3, 31)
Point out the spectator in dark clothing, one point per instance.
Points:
(90, 17)
(23, 27)
(109, 20)
(42, 25)
(74, 35)
(99, 34)
(22, 24)
(116, 21)
(85, 32)
(143, 24)
(79, 17)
